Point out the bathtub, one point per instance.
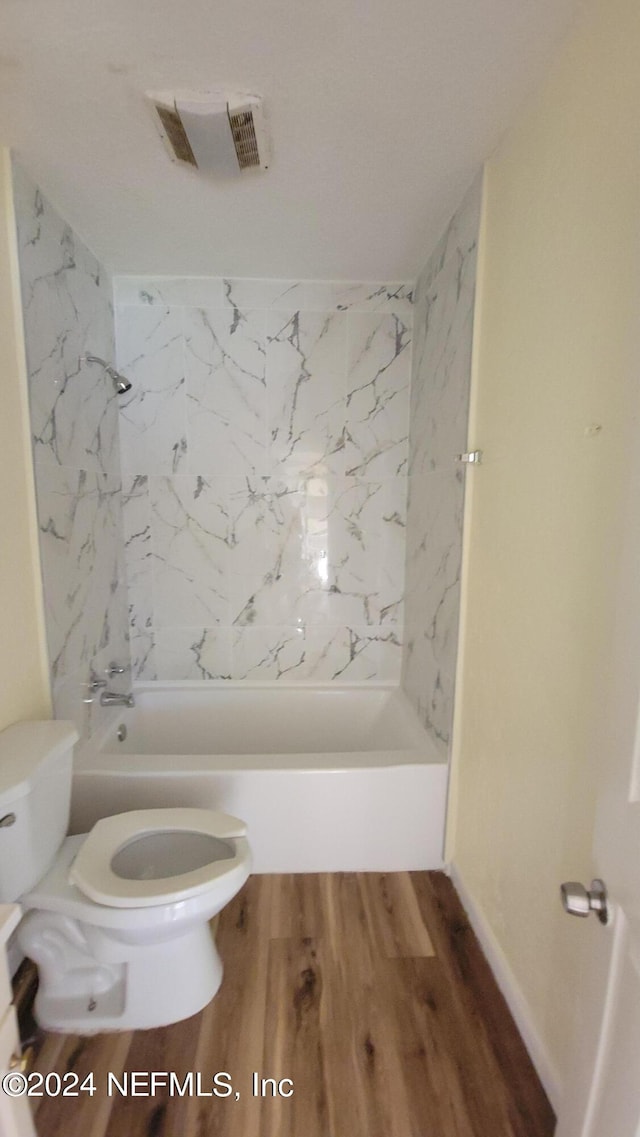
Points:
(327, 778)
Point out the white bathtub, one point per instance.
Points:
(327, 778)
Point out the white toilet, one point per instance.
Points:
(116, 919)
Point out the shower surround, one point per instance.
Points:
(264, 449)
(241, 513)
(67, 307)
(440, 380)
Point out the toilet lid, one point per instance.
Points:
(155, 856)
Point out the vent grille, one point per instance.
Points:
(244, 138)
(175, 133)
(215, 132)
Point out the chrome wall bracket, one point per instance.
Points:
(470, 458)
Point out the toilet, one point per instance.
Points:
(117, 919)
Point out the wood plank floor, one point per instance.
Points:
(369, 991)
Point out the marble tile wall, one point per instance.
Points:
(264, 449)
(443, 329)
(68, 310)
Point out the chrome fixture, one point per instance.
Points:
(471, 458)
(108, 698)
(112, 699)
(579, 901)
(120, 382)
(94, 685)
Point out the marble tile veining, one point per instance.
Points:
(324, 654)
(190, 541)
(153, 414)
(441, 371)
(246, 534)
(285, 295)
(174, 291)
(442, 351)
(306, 391)
(377, 406)
(248, 293)
(68, 311)
(226, 391)
(188, 653)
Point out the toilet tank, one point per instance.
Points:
(35, 798)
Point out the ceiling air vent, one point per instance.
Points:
(243, 129)
(216, 133)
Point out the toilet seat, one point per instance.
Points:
(93, 873)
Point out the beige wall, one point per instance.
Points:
(24, 682)
(558, 305)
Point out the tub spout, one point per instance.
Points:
(112, 699)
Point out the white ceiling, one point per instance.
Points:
(381, 113)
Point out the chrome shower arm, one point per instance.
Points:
(93, 359)
(120, 382)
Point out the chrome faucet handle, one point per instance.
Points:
(95, 683)
(113, 699)
(115, 669)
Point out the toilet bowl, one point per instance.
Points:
(159, 856)
(116, 919)
(119, 926)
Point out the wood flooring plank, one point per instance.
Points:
(330, 980)
(364, 1081)
(396, 922)
(293, 1044)
(232, 1027)
(77, 1117)
(346, 929)
(429, 1082)
(481, 1001)
(160, 1114)
(295, 905)
(450, 1081)
(49, 1051)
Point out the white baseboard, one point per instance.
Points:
(511, 990)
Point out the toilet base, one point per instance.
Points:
(139, 987)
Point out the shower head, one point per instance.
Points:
(120, 382)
